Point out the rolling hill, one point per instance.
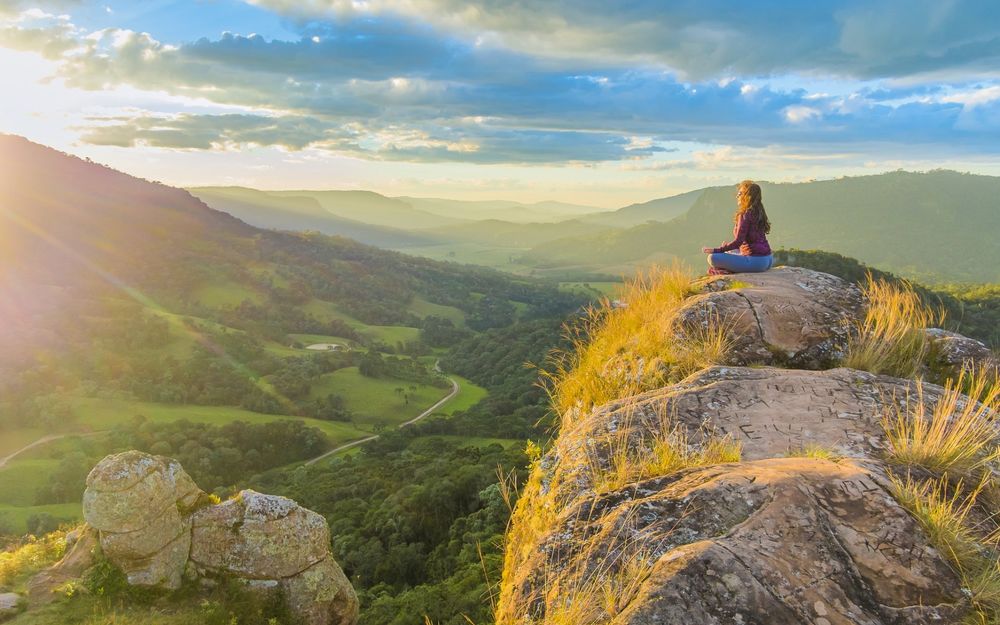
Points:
(302, 211)
(662, 209)
(934, 226)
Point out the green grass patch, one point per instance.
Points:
(12, 440)
(423, 308)
(469, 394)
(225, 294)
(374, 401)
(103, 414)
(17, 516)
(21, 479)
(309, 339)
(325, 311)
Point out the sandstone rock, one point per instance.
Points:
(777, 541)
(792, 316)
(139, 502)
(128, 491)
(322, 594)
(77, 559)
(10, 603)
(163, 569)
(770, 540)
(952, 351)
(773, 412)
(258, 537)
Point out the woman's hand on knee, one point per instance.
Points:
(706, 250)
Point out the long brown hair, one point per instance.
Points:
(748, 200)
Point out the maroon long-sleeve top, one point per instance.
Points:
(748, 236)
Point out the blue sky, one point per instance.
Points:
(577, 100)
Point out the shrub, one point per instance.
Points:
(31, 556)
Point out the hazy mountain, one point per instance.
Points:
(508, 234)
(934, 225)
(372, 208)
(501, 210)
(289, 211)
(662, 209)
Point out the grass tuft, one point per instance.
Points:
(942, 511)
(956, 435)
(620, 351)
(891, 339)
(814, 450)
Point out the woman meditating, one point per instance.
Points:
(750, 237)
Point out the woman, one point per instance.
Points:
(750, 236)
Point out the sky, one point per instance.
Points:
(584, 101)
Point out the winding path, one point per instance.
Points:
(455, 388)
(45, 439)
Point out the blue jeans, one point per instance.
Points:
(741, 264)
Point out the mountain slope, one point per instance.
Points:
(509, 234)
(300, 212)
(372, 208)
(932, 226)
(83, 242)
(662, 209)
(499, 209)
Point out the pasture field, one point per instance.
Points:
(375, 401)
(468, 395)
(387, 334)
(103, 414)
(12, 440)
(226, 294)
(422, 308)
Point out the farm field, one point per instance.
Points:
(376, 402)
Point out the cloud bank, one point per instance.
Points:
(552, 82)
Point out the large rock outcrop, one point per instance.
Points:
(157, 526)
(788, 316)
(769, 540)
(137, 502)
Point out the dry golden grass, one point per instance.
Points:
(891, 338)
(620, 352)
(956, 435)
(814, 450)
(599, 589)
(944, 511)
(665, 449)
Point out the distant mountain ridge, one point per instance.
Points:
(930, 226)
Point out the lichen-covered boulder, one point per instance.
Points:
(322, 594)
(140, 504)
(258, 537)
(789, 315)
(951, 352)
(128, 491)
